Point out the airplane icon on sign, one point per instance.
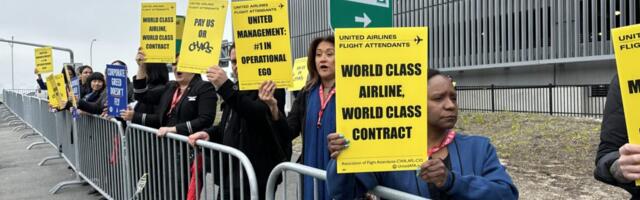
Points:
(418, 40)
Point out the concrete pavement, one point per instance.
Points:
(20, 175)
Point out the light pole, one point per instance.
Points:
(13, 87)
(91, 52)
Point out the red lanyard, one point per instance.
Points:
(450, 135)
(324, 102)
(176, 98)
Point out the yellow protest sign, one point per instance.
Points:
(44, 60)
(51, 83)
(61, 90)
(74, 101)
(202, 40)
(300, 74)
(56, 90)
(262, 42)
(381, 98)
(158, 31)
(626, 44)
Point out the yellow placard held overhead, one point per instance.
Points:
(626, 44)
(300, 74)
(261, 35)
(51, 93)
(381, 98)
(158, 31)
(44, 60)
(202, 40)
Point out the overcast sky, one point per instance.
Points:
(115, 24)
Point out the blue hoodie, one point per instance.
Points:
(476, 174)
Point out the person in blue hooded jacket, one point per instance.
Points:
(460, 166)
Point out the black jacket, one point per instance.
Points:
(143, 110)
(85, 89)
(195, 111)
(246, 126)
(613, 135)
(95, 104)
(293, 124)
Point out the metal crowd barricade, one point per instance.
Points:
(113, 161)
(35, 115)
(48, 129)
(17, 109)
(32, 120)
(318, 174)
(102, 157)
(168, 162)
(67, 134)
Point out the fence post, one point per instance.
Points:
(550, 99)
(493, 98)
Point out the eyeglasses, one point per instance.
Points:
(234, 61)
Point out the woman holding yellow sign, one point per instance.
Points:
(313, 112)
(460, 166)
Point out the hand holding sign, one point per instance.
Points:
(140, 58)
(434, 171)
(337, 143)
(217, 76)
(142, 67)
(265, 93)
(127, 114)
(628, 162)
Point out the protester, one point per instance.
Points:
(617, 161)
(85, 87)
(460, 166)
(144, 114)
(313, 112)
(93, 102)
(157, 78)
(246, 126)
(184, 106)
(43, 86)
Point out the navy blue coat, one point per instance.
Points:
(476, 174)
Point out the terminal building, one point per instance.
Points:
(518, 47)
(501, 42)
